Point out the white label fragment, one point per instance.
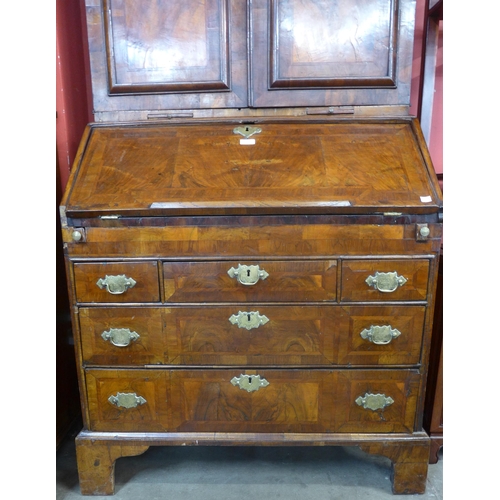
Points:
(247, 142)
(425, 199)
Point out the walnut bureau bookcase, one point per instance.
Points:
(251, 231)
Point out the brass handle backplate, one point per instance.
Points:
(120, 337)
(386, 282)
(248, 320)
(116, 284)
(380, 335)
(248, 275)
(374, 401)
(126, 400)
(249, 383)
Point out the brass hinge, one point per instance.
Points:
(168, 116)
(332, 110)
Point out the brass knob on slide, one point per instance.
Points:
(77, 236)
(425, 231)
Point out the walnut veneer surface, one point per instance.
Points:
(245, 275)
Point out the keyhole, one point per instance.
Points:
(249, 380)
(248, 317)
(248, 272)
(246, 129)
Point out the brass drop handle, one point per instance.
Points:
(116, 284)
(380, 335)
(249, 383)
(374, 402)
(248, 320)
(386, 282)
(126, 400)
(248, 275)
(120, 337)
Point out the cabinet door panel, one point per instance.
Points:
(167, 55)
(331, 53)
(166, 46)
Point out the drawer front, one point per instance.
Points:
(117, 282)
(294, 401)
(128, 400)
(380, 335)
(233, 281)
(251, 334)
(123, 335)
(376, 400)
(256, 334)
(384, 280)
(234, 400)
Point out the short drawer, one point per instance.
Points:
(384, 280)
(117, 282)
(242, 281)
(267, 400)
(380, 335)
(128, 400)
(123, 335)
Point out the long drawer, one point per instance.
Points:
(252, 334)
(267, 400)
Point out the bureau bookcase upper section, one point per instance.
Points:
(163, 55)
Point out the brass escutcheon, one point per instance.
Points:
(248, 275)
(116, 284)
(248, 320)
(249, 383)
(386, 282)
(247, 131)
(380, 335)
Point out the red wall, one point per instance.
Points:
(435, 143)
(73, 96)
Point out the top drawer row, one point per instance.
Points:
(264, 281)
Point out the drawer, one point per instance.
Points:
(123, 335)
(380, 335)
(117, 282)
(384, 280)
(233, 281)
(256, 334)
(234, 400)
(139, 400)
